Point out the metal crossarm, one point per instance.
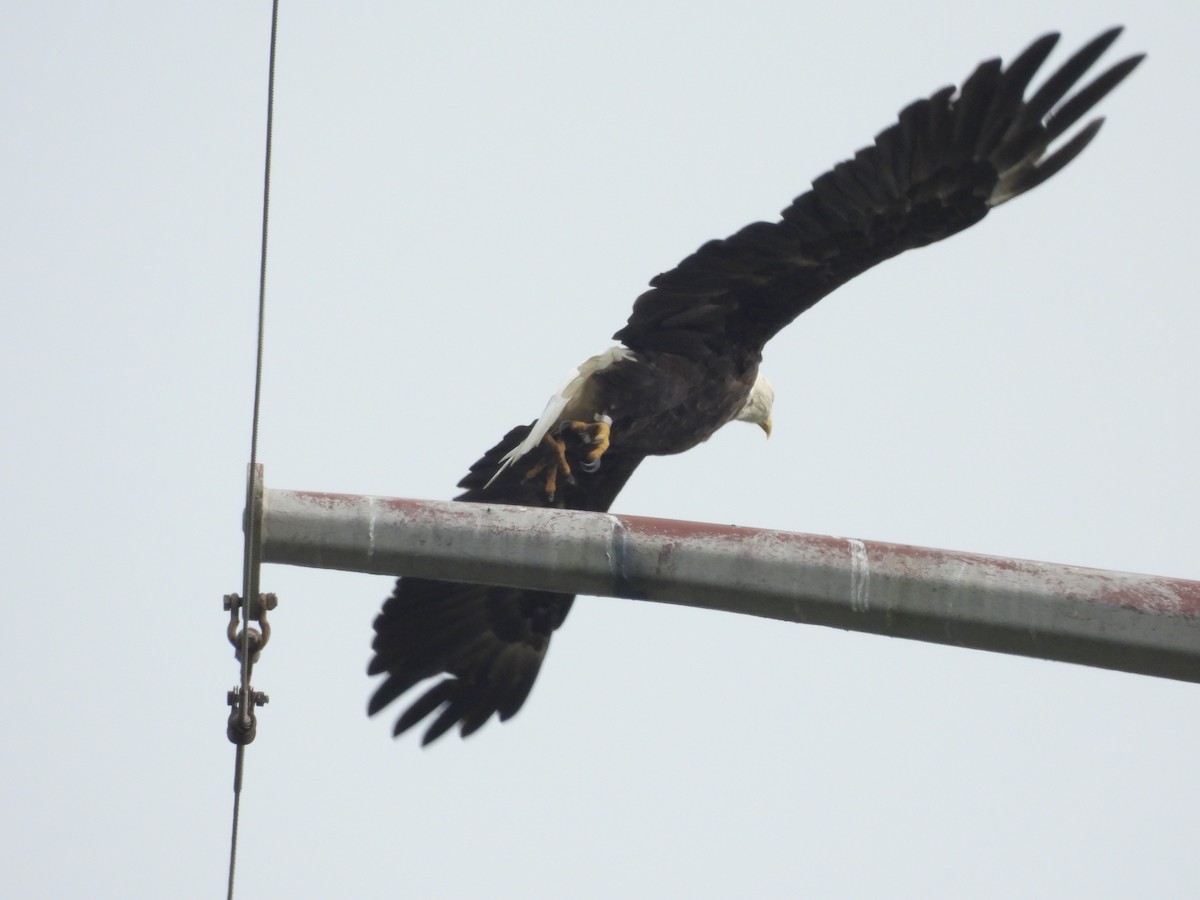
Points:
(1115, 620)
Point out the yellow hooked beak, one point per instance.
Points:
(766, 426)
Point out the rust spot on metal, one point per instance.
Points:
(675, 528)
(1158, 596)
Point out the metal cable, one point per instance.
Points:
(237, 803)
(250, 564)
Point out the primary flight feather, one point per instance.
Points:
(688, 357)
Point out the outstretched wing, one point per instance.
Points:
(938, 170)
(486, 642)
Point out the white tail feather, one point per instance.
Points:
(552, 414)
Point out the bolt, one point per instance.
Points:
(257, 697)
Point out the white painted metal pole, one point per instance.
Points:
(1116, 620)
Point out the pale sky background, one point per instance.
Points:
(467, 199)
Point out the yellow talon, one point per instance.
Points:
(553, 462)
(598, 434)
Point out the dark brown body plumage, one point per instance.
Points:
(697, 337)
(663, 403)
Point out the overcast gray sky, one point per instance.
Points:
(467, 198)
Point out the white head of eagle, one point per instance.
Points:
(757, 410)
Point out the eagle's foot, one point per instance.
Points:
(553, 463)
(570, 437)
(595, 434)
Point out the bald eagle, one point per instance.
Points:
(688, 357)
